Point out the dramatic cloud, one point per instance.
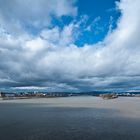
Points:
(51, 60)
(17, 15)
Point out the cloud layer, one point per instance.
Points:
(50, 60)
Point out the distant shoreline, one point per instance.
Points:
(103, 96)
(29, 95)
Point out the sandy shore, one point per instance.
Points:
(127, 106)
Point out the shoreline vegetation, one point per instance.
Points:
(109, 96)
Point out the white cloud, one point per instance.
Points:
(51, 59)
(23, 14)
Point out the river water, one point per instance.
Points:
(48, 120)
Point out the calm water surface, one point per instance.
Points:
(26, 121)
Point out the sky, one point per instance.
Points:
(70, 45)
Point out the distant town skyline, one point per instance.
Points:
(70, 45)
